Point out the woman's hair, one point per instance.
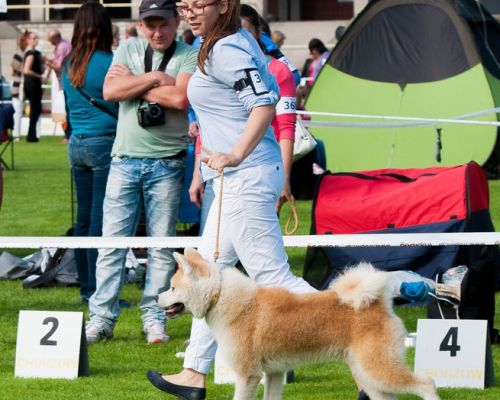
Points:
(253, 16)
(318, 45)
(226, 25)
(264, 26)
(22, 39)
(92, 31)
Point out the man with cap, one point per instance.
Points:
(148, 78)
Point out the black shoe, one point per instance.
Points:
(362, 395)
(182, 392)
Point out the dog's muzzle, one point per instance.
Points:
(174, 310)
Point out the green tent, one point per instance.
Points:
(435, 59)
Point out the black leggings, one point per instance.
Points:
(33, 93)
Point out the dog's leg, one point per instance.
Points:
(372, 392)
(246, 387)
(377, 395)
(273, 386)
(389, 374)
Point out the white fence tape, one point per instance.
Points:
(356, 240)
(402, 121)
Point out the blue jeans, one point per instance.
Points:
(156, 183)
(90, 158)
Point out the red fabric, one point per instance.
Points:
(284, 122)
(4, 136)
(197, 145)
(347, 204)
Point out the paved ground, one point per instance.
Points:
(48, 127)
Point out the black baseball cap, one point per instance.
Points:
(157, 8)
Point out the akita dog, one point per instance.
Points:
(271, 330)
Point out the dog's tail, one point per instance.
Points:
(360, 286)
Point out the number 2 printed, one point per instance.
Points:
(45, 341)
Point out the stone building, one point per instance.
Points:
(299, 20)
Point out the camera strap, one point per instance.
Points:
(148, 58)
(94, 102)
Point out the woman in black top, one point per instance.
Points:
(17, 77)
(33, 77)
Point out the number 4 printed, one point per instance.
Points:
(450, 342)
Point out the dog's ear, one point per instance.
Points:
(182, 262)
(192, 255)
(197, 262)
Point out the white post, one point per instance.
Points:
(37, 13)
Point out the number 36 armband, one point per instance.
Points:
(286, 105)
(252, 79)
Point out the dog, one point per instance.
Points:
(271, 330)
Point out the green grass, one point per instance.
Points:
(37, 202)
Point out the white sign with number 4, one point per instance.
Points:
(452, 352)
(49, 345)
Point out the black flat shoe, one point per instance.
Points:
(182, 392)
(362, 395)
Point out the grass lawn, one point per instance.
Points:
(37, 202)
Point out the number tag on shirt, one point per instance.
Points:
(255, 80)
(287, 62)
(286, 105)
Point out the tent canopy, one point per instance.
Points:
(415, 58)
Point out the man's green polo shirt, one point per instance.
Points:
(132, 140)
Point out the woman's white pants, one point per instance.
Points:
(249, 232)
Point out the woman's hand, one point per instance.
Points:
(219, 161)
(286, 194)
(193, 130)
(196, 189)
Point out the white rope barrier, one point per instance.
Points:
(354, 240)
(403, 121)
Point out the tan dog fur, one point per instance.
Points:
(271, 330)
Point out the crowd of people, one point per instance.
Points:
(126, 107)
(30, 70)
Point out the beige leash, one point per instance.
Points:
(293, 213)
(219, 206)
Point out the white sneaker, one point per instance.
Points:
(155, 332)
(96, 331)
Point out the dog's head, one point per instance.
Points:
(194, 288)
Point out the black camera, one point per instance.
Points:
(151, 115)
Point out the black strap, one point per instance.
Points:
(94, 102)
(399, 177)
(242, 84)
(148, 58)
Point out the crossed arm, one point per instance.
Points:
(155, 86)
